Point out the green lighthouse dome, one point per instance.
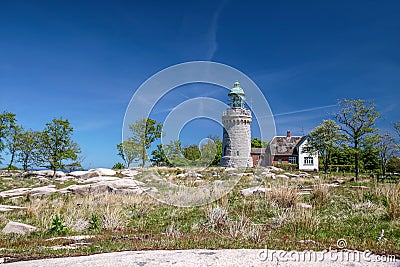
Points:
(237, 96)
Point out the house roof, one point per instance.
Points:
(283, 145)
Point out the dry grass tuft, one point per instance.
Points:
(284, 197)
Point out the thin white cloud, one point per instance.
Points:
(304, 110)
(212, 32)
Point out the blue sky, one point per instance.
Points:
(83, 60)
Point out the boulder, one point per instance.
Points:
(122, 183)
(253, 190)
(85, 189)
(15, 192)
(18, 228)
(100, 179)
(85, 174)
(10, 208)
(65, 178)
(129, 173)
(44, 190)
(281, 176)
(270, 175)
(49, 173)
(104, 171)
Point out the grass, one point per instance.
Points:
(274, 220)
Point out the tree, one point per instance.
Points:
(56, 148)
(393, 164)
(218, 150)
(144, 133)
(159, 157)
(128, 151)
(324, 139)
(7, 120)
(191, 152)
(386, 146)
(28, 144)
(12, 142)
(258, 143)
(357, 121)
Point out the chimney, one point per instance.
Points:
(288, 134)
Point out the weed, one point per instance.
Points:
(57, 226)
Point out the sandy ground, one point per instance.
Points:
(223, 257)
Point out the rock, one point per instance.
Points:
(85, 174)
(122, 183)
(85, 189)
(316, 176)
(127, 191)
(273, 168)
(44, 190)
(253, 190)
(281, 176)
(104, 172)
(304, 205)
(10, 208)
(18, 228)
(129, 173)
(65, 178)
(15, 192)
(270, 175)
(49, 173)
(44, 180)
(100, 179)
(181, 175)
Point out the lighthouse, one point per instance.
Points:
(236, 120)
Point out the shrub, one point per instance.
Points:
(57, 226)
(94, 223)
(118, 166)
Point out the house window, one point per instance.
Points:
(237, 153)
(292, 160)
(308, 161)
(279, 161)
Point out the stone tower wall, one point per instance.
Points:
(236, 146)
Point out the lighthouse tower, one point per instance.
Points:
(236, 145)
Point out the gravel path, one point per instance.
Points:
(223, 257)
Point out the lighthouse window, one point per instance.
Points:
(237, 153)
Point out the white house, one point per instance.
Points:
(307, 161)
(289, 150)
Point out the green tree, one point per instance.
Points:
(144, 132)
(191, 152)
(393, 164)
(7, 121)
(174, 153)
(56, 145)
(158, 156)
(357, 121)
(386, 147)
(28, 145)
(218, 150)
(324, 139)
(12, 142)
(128, 151)
(258, 143)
